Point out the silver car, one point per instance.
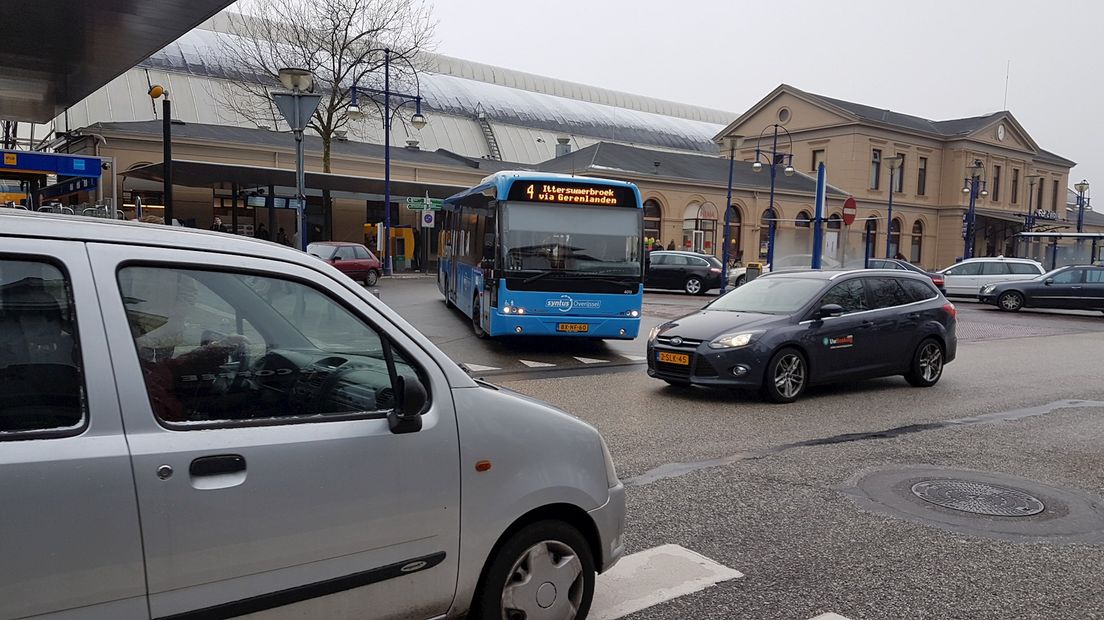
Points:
(194, 424)
(967, 277)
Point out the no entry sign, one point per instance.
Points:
(850, 210)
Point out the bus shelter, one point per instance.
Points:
(1056, 249)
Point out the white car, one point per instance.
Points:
(967, 278)
(737, 276)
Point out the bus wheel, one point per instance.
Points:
(477, 311)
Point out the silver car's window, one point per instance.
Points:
(41, 383)
(994, 269)
(1023, 269)
(965, 269)
(221, 347)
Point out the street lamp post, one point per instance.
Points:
(894, 164)
(775, 158)
(157, 91)
(417, 120)
(733, 143)
(1029, 223)
(975, 187)
(297, 107)
(1081, 188)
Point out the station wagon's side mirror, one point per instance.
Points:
(828, 310)
(1048, 281)
(410, 400)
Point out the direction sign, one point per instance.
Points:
(850, 210)
(423, 204)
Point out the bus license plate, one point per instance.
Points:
(682, 359)
(573, 327)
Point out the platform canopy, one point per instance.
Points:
(57, 52)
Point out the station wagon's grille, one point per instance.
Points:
(677, 342)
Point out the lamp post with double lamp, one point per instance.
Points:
(157, 91)
(1081, 188)
(417, 121)
(1029, 223)
(733, 143)
(774, 158)
(975, 187)
(297, 107)
(894, 164)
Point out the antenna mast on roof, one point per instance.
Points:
(1007, 72)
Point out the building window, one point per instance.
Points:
(653, 217)
(895, 238)
(734, 221)
(899, 175)
(871, 235)
(995, 194)
(876, 169)
(1015, 185)
(917, 241)
(835, 222)
(804, 220)
(1039, 198)
(1054, 196)
(922, 177)
(818, 159)
(764, 232)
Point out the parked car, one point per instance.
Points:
(351, 259)
(894, 263)
(687, 271)
(785, 331)
(1077, 287)
(967, 277)
(196, 424)
(738, 275)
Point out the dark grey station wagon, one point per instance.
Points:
(785, 331)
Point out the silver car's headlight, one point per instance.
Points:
(611, 471)
(731, 341)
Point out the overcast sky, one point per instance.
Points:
(936, 59)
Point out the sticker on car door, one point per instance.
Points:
(840, 342)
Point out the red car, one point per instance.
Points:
(352, 259)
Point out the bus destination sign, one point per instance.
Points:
(568, 192)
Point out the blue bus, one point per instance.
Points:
(531, 254)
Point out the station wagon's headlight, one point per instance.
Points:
(731, 341)
(652, 334)
(988, 288)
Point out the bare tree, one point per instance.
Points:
(341, 42)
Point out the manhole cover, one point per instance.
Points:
(978, 498)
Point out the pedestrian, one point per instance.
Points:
(282, 238)
(900, 256)
(217, 224)
(262, 232)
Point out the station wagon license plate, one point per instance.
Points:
(682, 359)
(573, 327)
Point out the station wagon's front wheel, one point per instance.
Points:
(544, 570)
(786, 377)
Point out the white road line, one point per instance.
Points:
(478, 368)
(536, 364)
(635, 358)
(829, 616)
(590, 360)
(652, 576)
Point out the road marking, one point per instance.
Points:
(635, 358)
(653, 576)
(478, 368)
(536, 364)
(590, 360)
(829, 616)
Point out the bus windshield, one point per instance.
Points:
(575, 240)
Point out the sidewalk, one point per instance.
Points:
(410, 275)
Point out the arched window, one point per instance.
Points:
(734, 222)
(835, 222)
(894, 238)
(871, 235)
(804, 220)
(653, 217)
(764, 232)
(917, 241)
(699, 227)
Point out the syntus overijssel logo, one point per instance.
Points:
(565, 303)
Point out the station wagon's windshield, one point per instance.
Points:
(770, 296)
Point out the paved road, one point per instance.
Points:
(796, 497)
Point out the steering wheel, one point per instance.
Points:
(244, 372)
